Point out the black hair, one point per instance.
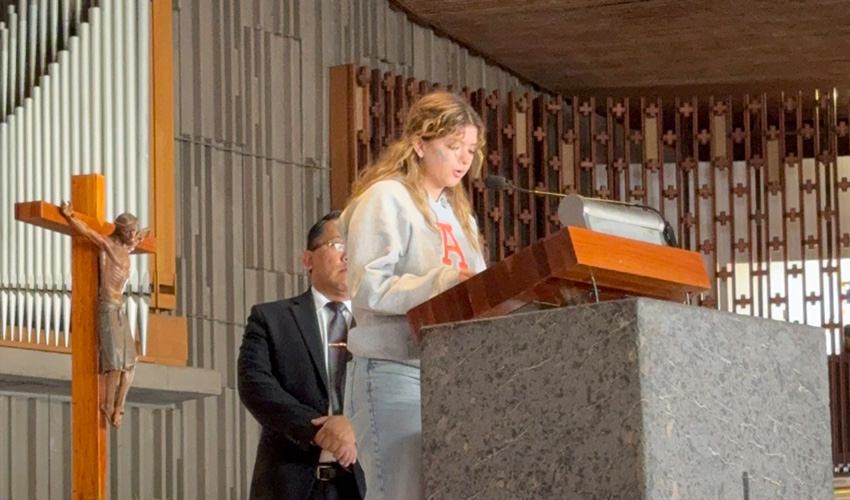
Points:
(317, 231)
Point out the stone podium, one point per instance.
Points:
(632, 399)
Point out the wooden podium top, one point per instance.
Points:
(560, 270)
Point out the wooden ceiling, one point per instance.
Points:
(667, 47)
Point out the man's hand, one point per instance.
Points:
(66, 210)
(337, 437)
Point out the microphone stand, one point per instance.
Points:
(534, 191)
(669, 234)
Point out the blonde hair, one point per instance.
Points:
(433, 116)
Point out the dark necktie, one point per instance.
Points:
(337, 355)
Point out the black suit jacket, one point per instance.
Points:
(283, 382)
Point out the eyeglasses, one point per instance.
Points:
(336, 245)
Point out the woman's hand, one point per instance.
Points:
(465, 274)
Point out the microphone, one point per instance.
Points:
(500, 182)
(497, 182)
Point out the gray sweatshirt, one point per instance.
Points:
(396, 262)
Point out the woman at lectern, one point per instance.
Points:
(410, 235)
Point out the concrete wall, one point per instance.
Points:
(252, 158)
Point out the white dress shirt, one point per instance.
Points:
(324, 316)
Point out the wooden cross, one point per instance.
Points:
(792, 215)
(87, 422)
(740, 190)
(738, 135)
(777, 299)
(790, 104)
(495, 214)
(524, 160)
(363, 77)
(772, 133)
(651, 110)
(637, 137)
(494, 158)
(602, 138)
(522, 105)
(724, 273)
(653, 165)
(619, 165)
(539, 134)
(619, 110)
(389, 81)
(742, 301)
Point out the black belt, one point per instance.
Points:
(330, 471)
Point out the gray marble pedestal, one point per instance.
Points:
(634, 399)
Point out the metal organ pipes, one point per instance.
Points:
(74, 98)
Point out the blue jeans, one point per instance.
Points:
(383, 403)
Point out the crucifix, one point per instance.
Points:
(88, 388)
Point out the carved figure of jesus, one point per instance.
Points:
(116, 347)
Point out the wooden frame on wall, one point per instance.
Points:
(349, 104)
(163, 263)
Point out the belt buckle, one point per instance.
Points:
(325, 472)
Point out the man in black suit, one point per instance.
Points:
(291, 369)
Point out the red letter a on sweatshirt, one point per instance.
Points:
(450, 245)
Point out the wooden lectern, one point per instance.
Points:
(561, 269)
